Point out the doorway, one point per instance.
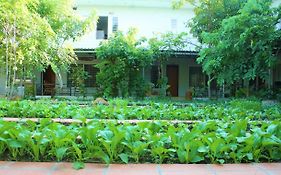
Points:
(173, 79)
(49, 81)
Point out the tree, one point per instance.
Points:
(33, 35)
(243, 47)
(209, 14)
(239, 37)
(77, 78)
(163, 46)
(121, 60)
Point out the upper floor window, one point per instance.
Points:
(102, 28)
(174, 24)
(114, 24)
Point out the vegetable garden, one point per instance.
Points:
(138, 132)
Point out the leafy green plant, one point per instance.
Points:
(121, 59)
(210, 141)
(110, 139)
(78, 165)
(77, 77)
(121, 109)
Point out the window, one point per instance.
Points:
(196, 77)
(91, 71)
(114, 24)
(102, 28)
(174, 24)
(277, 72)
(154, 75)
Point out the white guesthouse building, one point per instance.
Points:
(149, 17)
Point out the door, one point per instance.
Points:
(49, 81)
(173, 79)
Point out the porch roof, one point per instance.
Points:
(176, 53)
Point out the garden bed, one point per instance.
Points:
(154, 142)
(70, 121)
(154, 111)
(230, 132)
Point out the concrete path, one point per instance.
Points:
(51, 168)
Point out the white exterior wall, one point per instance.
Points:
(148, 19)
(183, 66)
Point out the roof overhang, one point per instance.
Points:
(178, 54)
(82, 50)
(129, 3)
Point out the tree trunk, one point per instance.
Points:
(223, 91)
(247, 84)
(34, 85)
(14, 53)
(257, 83)
(209, 86)
(7, 61)
(269, 79)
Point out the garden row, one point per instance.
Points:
(155, 142)
(154, 111)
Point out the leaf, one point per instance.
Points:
(197, 158)
(102, 155)
(271, 128)
(60, 152)
(182, 155)
(203, 149)
(78, 165)
(124, 157)
(249, 156)
(241, 139)
(106, 134)
(221, 161)
(14, 144)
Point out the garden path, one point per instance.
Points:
(52, 168)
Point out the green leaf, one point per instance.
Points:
(203, 149)
(250, 156)
(102, 155)
(124, 157)
(15, 144)
(78, 165)
(197, 158)
(221, 161)
(60, 152)
(271, 128)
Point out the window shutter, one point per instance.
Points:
(114, 24)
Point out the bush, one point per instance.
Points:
(155, 142)
(246, 104)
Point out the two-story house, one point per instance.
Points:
(149, 17)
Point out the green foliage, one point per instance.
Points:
(78, 165)
(209, 14)
(243, 46)
(246, 104)
(211, 141)
(34, 35)
(119, 109)
(122, 59)
(162, 47)
(240, 37)
(77, 77)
